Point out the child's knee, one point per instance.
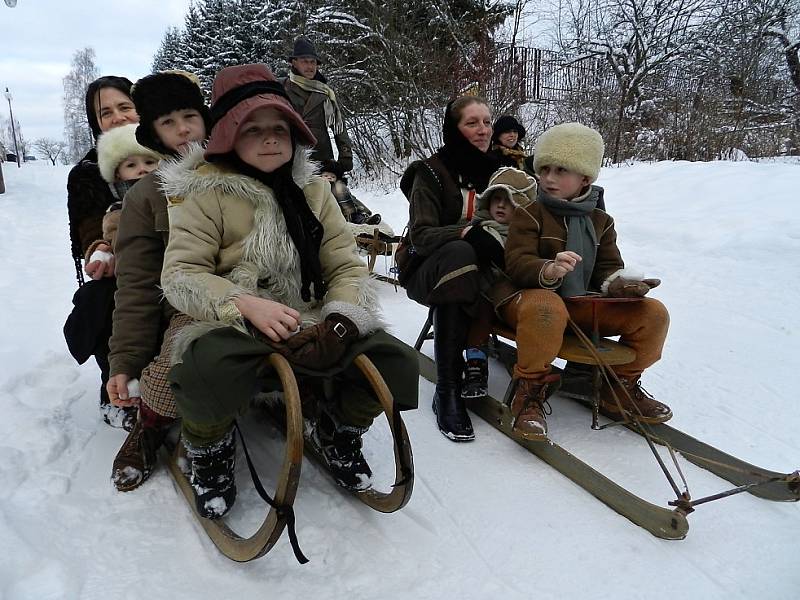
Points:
(655, 313)
(542, 309)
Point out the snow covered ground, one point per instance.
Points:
(487, 519)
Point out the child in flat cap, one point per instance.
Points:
(563, 245)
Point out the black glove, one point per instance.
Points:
(345, 163)
(486, 246)
(631, 288)
(323, 345)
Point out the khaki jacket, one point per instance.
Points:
(228, 237)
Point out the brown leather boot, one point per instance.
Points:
(136, 458)
(636, 403)
(530, 408)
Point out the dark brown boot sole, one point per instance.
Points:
(616, 416)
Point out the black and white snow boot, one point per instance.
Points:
(212, 477)
(340, 445)
(122, 417)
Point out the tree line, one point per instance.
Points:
(669, 79)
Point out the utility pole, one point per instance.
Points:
(13, 129)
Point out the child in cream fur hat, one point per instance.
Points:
(122, 162)
(563, 245)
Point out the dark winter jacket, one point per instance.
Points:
(142, 314)
(311, 106)
(88, 198)
(536, 236)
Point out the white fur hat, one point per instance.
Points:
(117, 144)
(572, 146)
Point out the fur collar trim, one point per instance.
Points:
(191, 174)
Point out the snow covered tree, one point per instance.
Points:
(21, 145)
(50, 148)
(635, 38)
(77, 132)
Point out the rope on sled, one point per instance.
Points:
(605, 369)
(684, 500)
(284, 511)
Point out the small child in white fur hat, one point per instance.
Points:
(563, 246)
(122, 162)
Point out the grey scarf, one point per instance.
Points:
(581, 238)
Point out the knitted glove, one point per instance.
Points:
(323, 345)
(631, 288)
(486, 246)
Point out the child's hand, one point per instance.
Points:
(275, 320)
(120, 390)
(101, 263)
(563, 263)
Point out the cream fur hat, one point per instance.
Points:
(117, 144)
(572, 146)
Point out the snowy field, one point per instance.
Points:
(487, 519)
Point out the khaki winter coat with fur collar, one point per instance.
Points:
(228, 237)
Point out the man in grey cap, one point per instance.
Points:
(312, 97)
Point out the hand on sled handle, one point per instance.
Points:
(631, 288)
(563, 263)
(118, 388)
(275, 320)
(322, 345)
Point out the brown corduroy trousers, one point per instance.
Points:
(540, 317)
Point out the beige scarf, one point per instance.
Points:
(333, 115)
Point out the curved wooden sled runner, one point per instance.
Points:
(400, 493)
(228, 541)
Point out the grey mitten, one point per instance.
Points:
(631, 288)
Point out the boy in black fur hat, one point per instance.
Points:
(173, 121)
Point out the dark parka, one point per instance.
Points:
(142, 314)
(536, 235)
(88, 197)
(311, 106)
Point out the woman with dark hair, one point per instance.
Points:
(506, 146)
(439, 266)
(108, 105)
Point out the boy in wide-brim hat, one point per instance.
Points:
(261, 257)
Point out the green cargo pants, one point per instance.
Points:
(222, 370)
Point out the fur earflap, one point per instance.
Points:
(117, 144)
(572, 146)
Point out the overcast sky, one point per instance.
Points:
(39, 37)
